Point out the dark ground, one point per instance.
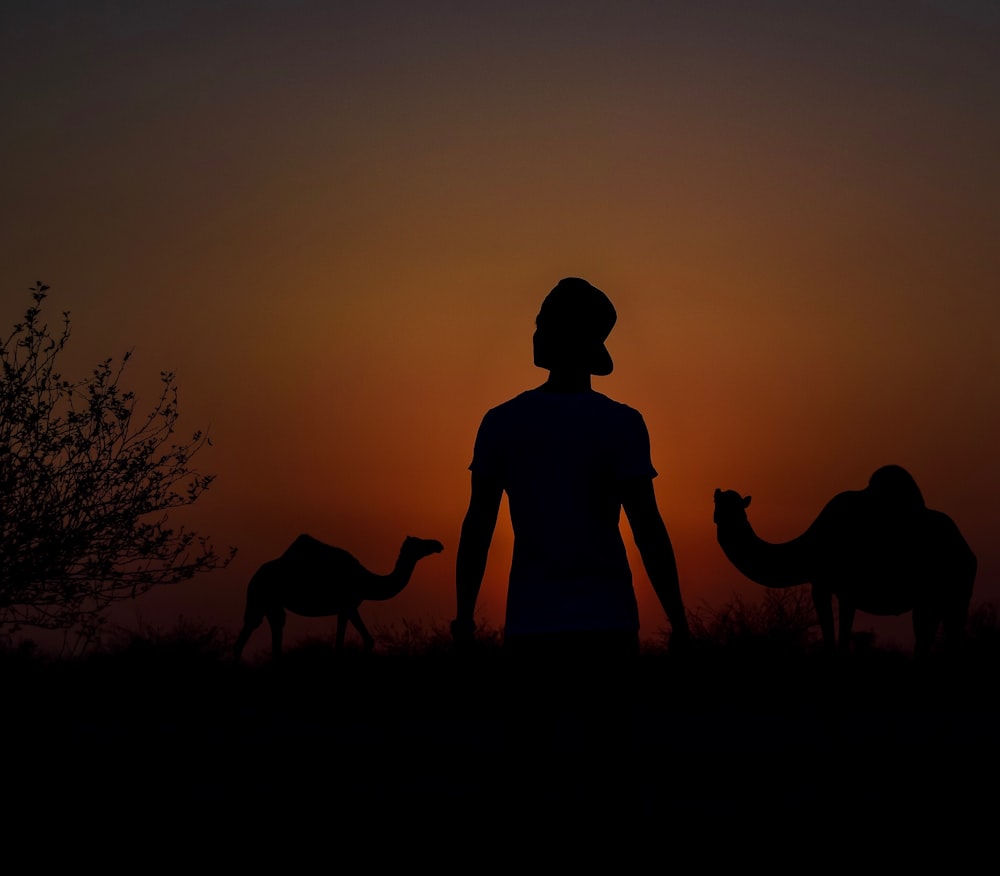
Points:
(172, 740)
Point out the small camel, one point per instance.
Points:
(314, 579)
(879, 550)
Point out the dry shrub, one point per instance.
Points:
(781, 621)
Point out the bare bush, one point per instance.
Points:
(782, 620)
(86, 485)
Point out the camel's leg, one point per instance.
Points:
(341, 629)
(243, 637)
(276, 618)
(846, 612)
(249, 625)
(359, 624)
(251, 620)
(953, 621)
(955, 613)
(926, 620)
(823, 603)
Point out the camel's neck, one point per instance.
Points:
(387, 586)
(771, 565)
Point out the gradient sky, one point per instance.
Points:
(336, 221)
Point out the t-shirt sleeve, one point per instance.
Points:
(634, 460)
(486, 456)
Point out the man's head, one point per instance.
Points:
(571, 327)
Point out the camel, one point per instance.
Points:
(880, 550)
(314, 579)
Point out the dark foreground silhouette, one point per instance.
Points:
(184, 747)
(880, 550)
(314, 579)
(569, 460)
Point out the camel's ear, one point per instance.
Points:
(746, 502)
(718, 493)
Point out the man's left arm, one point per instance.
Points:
(653, 542)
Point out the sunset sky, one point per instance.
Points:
(336, 221)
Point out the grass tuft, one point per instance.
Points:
(783, 622)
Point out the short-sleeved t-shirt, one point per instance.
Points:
(562, 458)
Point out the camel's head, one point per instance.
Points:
(730, 506)
(418, 548)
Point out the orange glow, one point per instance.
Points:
(338, 233)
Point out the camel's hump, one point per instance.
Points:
(307, 541)
(308, 550)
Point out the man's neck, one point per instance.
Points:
(567, 381)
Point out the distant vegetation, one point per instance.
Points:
(781, 621)
(781, 626)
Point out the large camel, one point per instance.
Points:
(317, 580)
(880, 550)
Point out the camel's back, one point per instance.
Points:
(307, 554)
(318, 579)
(311, 560)
(887, 558)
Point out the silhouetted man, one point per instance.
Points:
(569, 460)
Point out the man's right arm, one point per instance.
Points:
(473, 549)
(650, 533)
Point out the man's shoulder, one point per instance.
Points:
(511, 410)
(612, 405)
(539, 398)
(616, 415)
(519, 401)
